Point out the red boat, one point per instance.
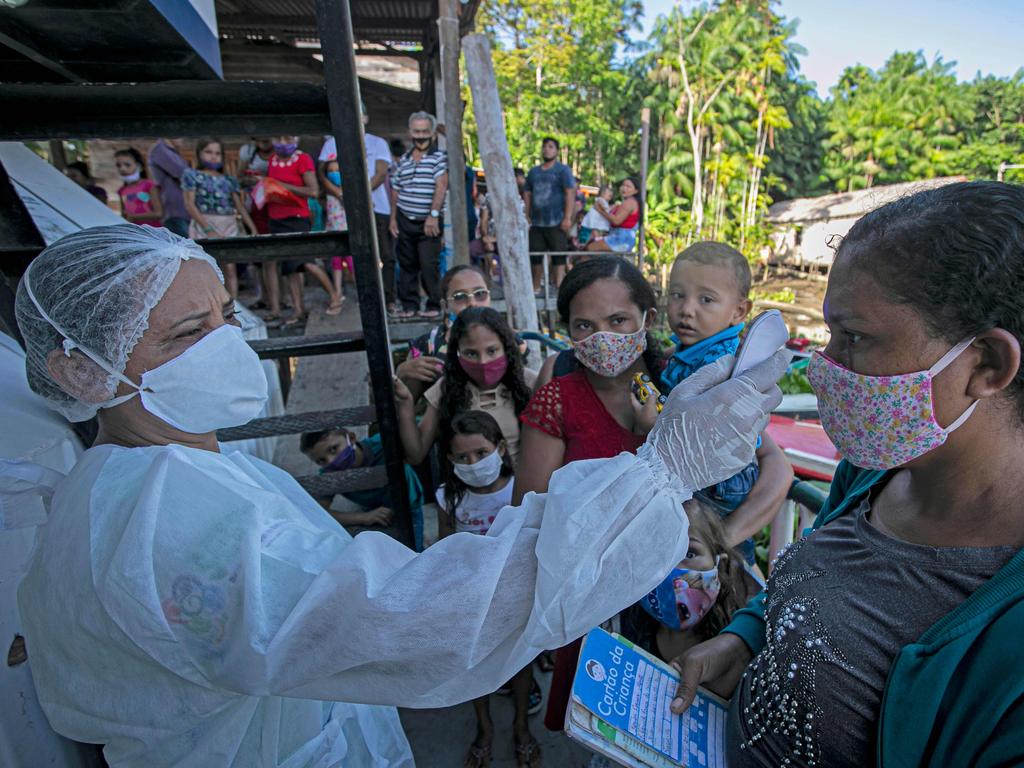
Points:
(806, 445)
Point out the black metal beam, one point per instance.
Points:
(294, 424)
(20, 240)
(298, 246)
(305, 346)
(358, 479)
(342, 83)
(182, 108)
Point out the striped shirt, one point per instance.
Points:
(416, 182)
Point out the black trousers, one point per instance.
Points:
(386, 243)
(419, 258)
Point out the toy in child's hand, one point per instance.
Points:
(766, 334)
(643, 388)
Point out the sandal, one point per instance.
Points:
(335, 309)
(528, 754)
(479, 756)
(291, 322)
(258, 305)
(429, 314)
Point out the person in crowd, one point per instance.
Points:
(486, 374)
(335, 450)
(78, 172)
(891, 633)
(378, 165)
(488, 236)
(520, 175)
(594, 224)
(549, 195)
(167, 165)
(214, 201)
(419, 181)
(293, 169)
(624, 220)
(337, 220)
(461, 287)
(253, 163)
(139, 194)
(477, 485)
(589, 412)
(212, 580)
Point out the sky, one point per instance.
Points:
(983, 35)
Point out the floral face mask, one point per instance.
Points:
(881, 422)
(609, 354)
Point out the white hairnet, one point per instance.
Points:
(94, 290)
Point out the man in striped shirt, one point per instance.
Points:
(419, 181)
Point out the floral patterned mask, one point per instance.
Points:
(609, 354)
(881, 422)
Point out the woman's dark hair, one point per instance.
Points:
(639, 198)
(953, 254)
(456, 381)
(203, 143)
(446, 281)
(135, 155)
(586, 273)
(469, 423)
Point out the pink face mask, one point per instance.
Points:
(488, 374)
(881, 422)
(609, 354)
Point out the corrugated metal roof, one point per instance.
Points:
(844, 205)
(373, 21)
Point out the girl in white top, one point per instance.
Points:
(477, 486)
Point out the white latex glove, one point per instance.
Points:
(708, 428)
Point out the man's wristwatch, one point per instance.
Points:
(435, 214)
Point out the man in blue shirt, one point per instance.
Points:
(550, 200)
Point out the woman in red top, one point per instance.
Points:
(295, 171)
(624, 219)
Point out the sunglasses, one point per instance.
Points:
(459, 297)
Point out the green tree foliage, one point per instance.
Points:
(734, 124)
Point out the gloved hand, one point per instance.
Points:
(708, 429)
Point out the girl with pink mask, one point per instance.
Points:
(486, 374)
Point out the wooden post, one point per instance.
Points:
(448, 29)
(506, 204)
(645, 143)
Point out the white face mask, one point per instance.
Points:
(216, 383)
(130, 178)
(484, 472)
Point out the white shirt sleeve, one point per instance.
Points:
(327, 150)
(234, 578)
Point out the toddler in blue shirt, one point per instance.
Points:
(708, 300)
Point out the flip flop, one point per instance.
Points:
(335, 309)
(293, 321)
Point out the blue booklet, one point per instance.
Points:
(621, 697)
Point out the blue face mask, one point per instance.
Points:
(452, 317)
(210, 166)
(684, 597)
(345, 459)
(334, 177)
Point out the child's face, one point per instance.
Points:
(467, 289)
(605, 305)
(607, 193)
(327, 450)
(125, 164)
(699, 556)
(211, 153)
(703, 299)
(469, 449)
(481, 345)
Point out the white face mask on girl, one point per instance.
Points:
(482, 473)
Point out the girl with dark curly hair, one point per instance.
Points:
(486, 374)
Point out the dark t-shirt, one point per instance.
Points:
(841, 605)
(547, 194)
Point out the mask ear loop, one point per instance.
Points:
(944, 363)
(69, 344)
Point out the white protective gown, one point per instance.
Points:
(191, 608)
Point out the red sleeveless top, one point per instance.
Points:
(568, 408)
(630, 221)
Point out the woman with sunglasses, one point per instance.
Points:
(462, 286)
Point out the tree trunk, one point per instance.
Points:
(507, 206)
(448, 28)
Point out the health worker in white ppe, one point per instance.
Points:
(187, 607)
